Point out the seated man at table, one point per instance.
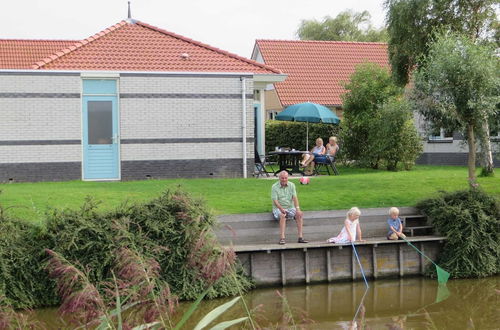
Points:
(286, 205)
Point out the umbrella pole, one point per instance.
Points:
(307, 136)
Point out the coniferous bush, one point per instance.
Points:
(470, 220)
(173, 229)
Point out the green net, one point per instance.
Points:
(442, 293)
(442, 274)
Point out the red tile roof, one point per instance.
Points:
(137, 46)
(316, 69)
(22, 54)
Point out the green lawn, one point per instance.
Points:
(354, 187)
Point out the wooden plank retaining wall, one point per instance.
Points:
(268, 263)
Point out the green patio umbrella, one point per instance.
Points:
(310, 113)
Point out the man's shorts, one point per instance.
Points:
(290, 213)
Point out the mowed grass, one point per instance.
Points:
(354, 187)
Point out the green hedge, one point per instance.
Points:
(293, 134)
(166, 228)
(470, 220)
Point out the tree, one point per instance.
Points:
(370, 86)
(347, 26)
(394, 135)
(411, 25)
(457, 86)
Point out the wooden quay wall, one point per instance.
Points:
(254, 237)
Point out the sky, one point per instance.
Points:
(231, 25)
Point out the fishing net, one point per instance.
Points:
(442, 274)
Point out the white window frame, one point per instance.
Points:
(441, 137)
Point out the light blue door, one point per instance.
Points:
(100, 130)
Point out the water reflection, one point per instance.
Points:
(410, 303)
(391, 304)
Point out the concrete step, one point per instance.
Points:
(414, 220)
(419, 230)
(331, 228)
(318, 226)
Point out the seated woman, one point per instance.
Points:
(317, 152)
(332, 147)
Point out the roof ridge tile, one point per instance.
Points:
(201, 44)
(78, 44)
(321, 41)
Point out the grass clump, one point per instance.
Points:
(173, 229)
(470, 220)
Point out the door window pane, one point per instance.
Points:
(100, 122)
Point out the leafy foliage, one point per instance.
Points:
(170, 229)
(23, 280)
(346, 26)
(412, 23)
(293, 134)
(457, 87)
(470, 220)
(377, 127)
(395, 139)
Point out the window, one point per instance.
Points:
(495, 132)
(271, 114)
(440, 134)
(100, 122)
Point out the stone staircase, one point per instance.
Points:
(416, 225)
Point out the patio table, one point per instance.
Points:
(289, 161)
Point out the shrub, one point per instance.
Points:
(470, 220)
(293, 134)
(394, 137)
(23, 280)
(173, 229)
(369, 87)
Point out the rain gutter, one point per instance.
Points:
(244, 124)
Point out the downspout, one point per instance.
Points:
(244, 124)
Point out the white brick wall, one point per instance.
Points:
(184, 118)
(40, 154)
(152, 151)
(455, 146)
(39, 84)
(60, 118)
(210, 85)
(39, 119)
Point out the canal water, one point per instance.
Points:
(409, 303)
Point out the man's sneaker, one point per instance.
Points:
(282, 242)
(301, 240)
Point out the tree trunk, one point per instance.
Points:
(471, 163)
(487, 154)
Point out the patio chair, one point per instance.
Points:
(328, 163)
(261, 165)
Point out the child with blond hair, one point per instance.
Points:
(351, 228)
(395, 225)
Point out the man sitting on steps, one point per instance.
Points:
(286, 205)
